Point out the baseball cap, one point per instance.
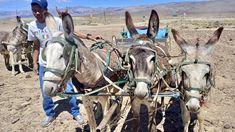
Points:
(42, 3)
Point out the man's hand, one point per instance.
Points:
(35, 68)
(94, 38)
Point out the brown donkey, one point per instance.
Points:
(148, 68)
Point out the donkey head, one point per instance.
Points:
(141, 56)
(142, 60)
(196, 70)
(56, 54)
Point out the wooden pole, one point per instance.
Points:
(107, 117)
(126, 107)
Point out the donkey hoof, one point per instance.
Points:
(27, 76)
(13, 73)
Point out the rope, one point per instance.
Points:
(98, 57)
(63, 95)
(107, 79)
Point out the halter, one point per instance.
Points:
(69, 50)
(158, 73)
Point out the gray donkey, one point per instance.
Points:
(15, 42)
(197, 76)
(89, 67)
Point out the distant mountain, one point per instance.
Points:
(198, 7)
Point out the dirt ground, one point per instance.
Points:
(21, 105)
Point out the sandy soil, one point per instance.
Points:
(21, 106)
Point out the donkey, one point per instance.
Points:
(15, 42)
(3, 49)
(148, 67)
(89, 67)
(197, 76)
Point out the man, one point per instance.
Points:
(38, 33)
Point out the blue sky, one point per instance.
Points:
(13, 5)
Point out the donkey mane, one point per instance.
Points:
(19, 30)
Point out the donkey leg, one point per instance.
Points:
(20, 66)
(88, 105)
(200, 118)
(152, 114)
(163, 110)
(136, 111)
(18, 57)
(7, 61)
(12, 63)
(185, 115)
(104, 101)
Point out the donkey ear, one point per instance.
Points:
(130, 26)
(153, 25)
(20, 22)
(209, 45)
(66, 10)
(67, 25)
(51, 23)
(214, 38)
(58, 12)
(179, 40)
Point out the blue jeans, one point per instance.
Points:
(48, 104)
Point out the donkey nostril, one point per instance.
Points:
(51, 89)
(198, 108)
(187, 107)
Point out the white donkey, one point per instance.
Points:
(197, 76)
(15, 41)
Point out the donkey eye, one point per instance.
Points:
(153, 59)
(206, 75)
(184, 74)
(132, 59)
(61, 56)
(132, 62)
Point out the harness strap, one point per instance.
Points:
(141, 80)
(67, 72)
(108, 80)
(60, 40)
(194, 89)
(190, 62)
(70, 63)
(54, 71)
(204, 90)
(161, 49)
(63, 95)
(98, 57)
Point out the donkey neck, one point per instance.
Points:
(90, 73)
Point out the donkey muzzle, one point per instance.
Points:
(141, 90)
(193, 105)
